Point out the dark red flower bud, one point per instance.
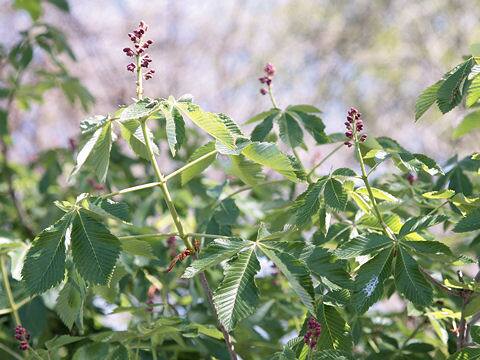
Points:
(131, 67)
(350, 119)
(269, 69)
(263, 91)
(363, 137)
(349, 134)
(411, 178)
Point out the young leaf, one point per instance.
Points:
(175, 128)
(69, 304)
(335, 330)
(139, 110)
(409, 281)
(96, 151)
(209, 122)
(268, 154)
(468, 124)
(95, 250)
(296, 272)
(470, 222)
(323, 264)
(304, 108)
(309, 203)
(473, 93)
(420, 223)
(131, 131)
(449, 94)
(263, 115)
(44, 265)
(216, 251)
(363, 245)
(237, 295)
(261, 131)
(369, 280)
(441, 194)
(426, 99)
(290, 132)
(335, 195)
(196, 169)
(378, 194)
(247, 171)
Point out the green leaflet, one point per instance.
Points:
(469, 123)
(261, 131)
(209, 122)
(139, 110)
(263, 115)
(370, 278)
(268, 154)
(309, 202)
(174, 127)
(466, 354)
(449, 94)
(197, 169)
(473, 92)
(334, 194)
(237, 295)
(95, 250)
(427, 248)
(409, 281)
(247, 171)
(313, 124)
(295, 271)
(96, 151)
(137, 247)
(323, 264)
(426, 99)
(335, 330)
(363, 245)
(110, 208)
(290, 132)
(131, 131)
(69, 304)
(441, 194)
(44, 265)
(420, 223)
(216, 251)
(471, 222)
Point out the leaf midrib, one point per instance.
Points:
(91, 244)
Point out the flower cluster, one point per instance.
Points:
(354, 125)
(314, 329)
(139, 48)
(269, 71)
(22, 335)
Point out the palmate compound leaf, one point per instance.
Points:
(95, 250)
(214, 253)
(209, 122)
(296, 272)
(335, 330)
(96, 151)
(409, 281)
(370, 278)
(44, 265)
(237, 295)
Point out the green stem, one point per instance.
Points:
(162, 235)
(131, 189)
(385, 228)
(8, 290)
(9, 351)
(310, 173)
(139, 81)
(164, 188)
(19, 305)
(272, 98)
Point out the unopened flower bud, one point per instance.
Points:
(263, 91)
(131, 67)
(269, 69)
